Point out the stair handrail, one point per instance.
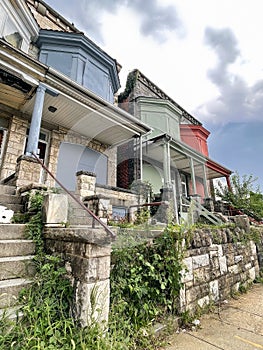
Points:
(206, 213)
(193, 204)
(113, 235)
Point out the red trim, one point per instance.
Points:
(218, 168)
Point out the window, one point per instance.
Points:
(42, 144)
(184, 185)
(9, 31)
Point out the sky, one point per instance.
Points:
(207, 55)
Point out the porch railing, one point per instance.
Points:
(75, 199)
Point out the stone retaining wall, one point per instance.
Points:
(217, 264)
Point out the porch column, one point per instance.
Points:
(32, 142)
(205, 181)
(141, 164)
(228, 183)
(166, 164)
(192, 174)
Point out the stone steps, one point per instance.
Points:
(14, 231)
(5, 189)
(9, 291)
(16, 247)
(9, 198)
(16, 265)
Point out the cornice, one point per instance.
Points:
(161, 94)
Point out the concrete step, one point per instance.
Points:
(16, 247)
(87, 221)
(5, 189)
(12, 231)
(16, 267)
(17, 208)
(9, 199)
(11, 313)
(10, 289)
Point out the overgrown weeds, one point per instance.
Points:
(145, 282)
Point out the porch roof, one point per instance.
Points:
(180, 153)
(67, 106)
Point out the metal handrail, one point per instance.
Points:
(113, 235)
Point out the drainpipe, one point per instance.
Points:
(32, 142)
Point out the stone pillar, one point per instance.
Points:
(209, 204)
(55, 209)
(86, 253)
(32, 142)
(100, 206)
(28, 171)
(165, 211)
(86, 182)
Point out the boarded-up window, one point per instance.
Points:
(74, 157)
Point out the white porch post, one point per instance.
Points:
(192, 174)
(166, 164)
(141, 163)
(205, 182)
(32, 143)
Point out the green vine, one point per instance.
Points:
(130, 83)
(146, 279)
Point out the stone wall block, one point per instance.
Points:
(214, 290)
(201, 275)
(234, 269)
(187, 272)
(55, 209)
(223, 265)
(92, 302)
(201, 260)
(203, 301)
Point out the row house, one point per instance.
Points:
(58, 101)
(174, 156)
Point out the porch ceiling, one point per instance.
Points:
(91, 122)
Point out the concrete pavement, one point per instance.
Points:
(236, 325)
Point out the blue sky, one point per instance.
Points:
(204, 54)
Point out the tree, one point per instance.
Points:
(243, 195)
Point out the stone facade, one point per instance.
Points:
(15, 147)
(217, 264)
(15, 144)
(57, 137)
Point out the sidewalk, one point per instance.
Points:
(236, 325)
